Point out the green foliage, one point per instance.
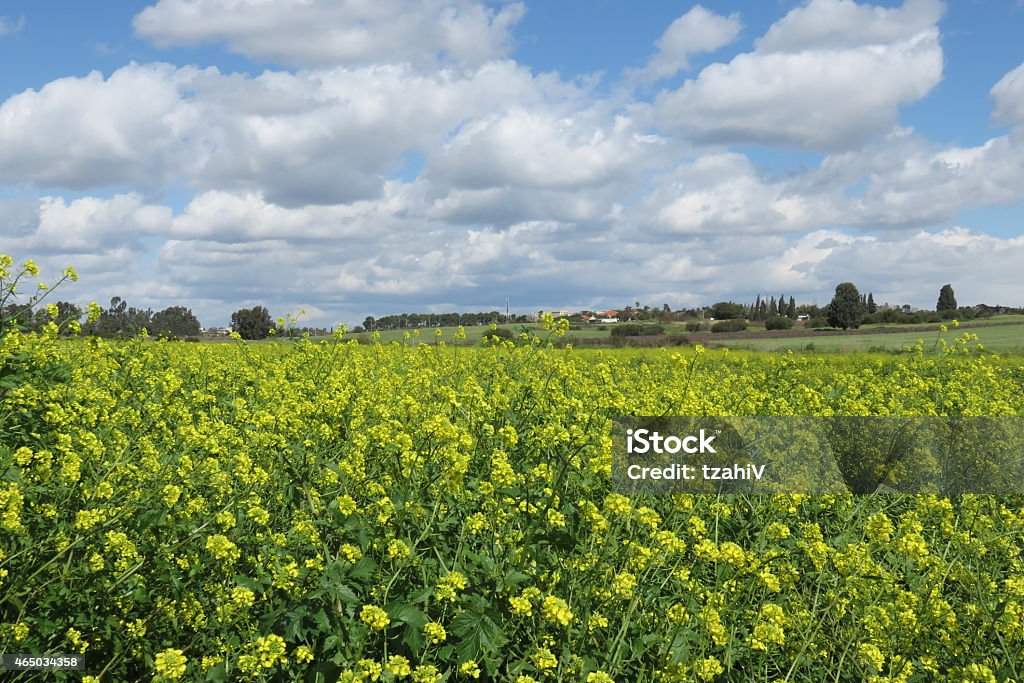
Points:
(29, 361)
(729, 326)
(175, 321)
(846, 309)
(778, 322)
(637, 330)
(726, 310)
(252, 323)
(497, 335)
(947, 300)
(120, 321)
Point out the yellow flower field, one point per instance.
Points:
(329, 511)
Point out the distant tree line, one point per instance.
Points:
(118, 320)
(403, 321)
(33, 320)
(849, 309)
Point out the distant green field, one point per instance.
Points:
(994, 333)
(999, 338)
(473, 333)
(995, 320)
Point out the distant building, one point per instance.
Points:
(534, 317)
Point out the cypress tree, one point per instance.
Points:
(947, 301)
(846, 308)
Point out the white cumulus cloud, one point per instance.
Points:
(337, 32)
(87, 132)
(1008, 96)
(843, 24)
(799, 89)
(697, 31)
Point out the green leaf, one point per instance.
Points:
(247, 582)
(478, 636)
(407, 614)
(363, 569)
(217, 673)
(513, 578)
(413, 637)
(421, 596)
(322, 621)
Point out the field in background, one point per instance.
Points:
(996, 338)
(999, 334)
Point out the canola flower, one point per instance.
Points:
(423, 513)
(170, 665)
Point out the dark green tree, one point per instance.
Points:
(791, 309)
(120, 320)
(252, 323)
(947, 301)
(176, 321)
(846, 309)
(725, 310)
(66, 311)
(871, 303)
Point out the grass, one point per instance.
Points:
(1000, 339)
(999, 334)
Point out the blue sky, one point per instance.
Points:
(444, 154)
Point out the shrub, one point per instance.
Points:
(694, 326)
(732, 325)
(637, 330)
(497, 336)
(778, 322)
(817, 324)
